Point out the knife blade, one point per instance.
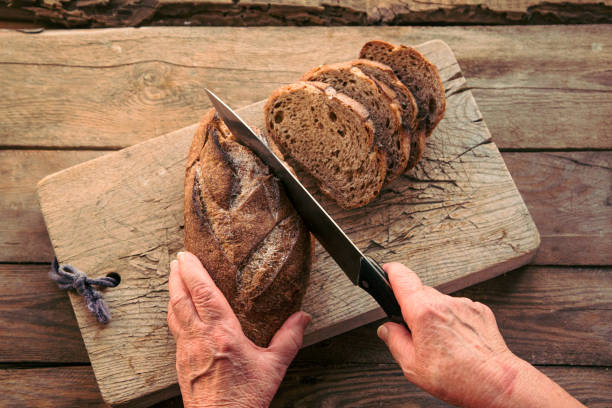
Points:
(359, 268)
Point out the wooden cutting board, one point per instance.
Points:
(457, 219)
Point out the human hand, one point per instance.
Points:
(216, 364)
(455, 351)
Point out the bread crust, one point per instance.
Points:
(409, 112)
(417, 148)
(389, 54)
(397, 149)
(423, 80)
(241, 225)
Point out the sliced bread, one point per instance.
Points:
(330, 136)
(422, 78)
(417, 73)
(385, 75)
(380, 102)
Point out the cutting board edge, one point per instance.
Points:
(448, 287)
(49, 177)
(491, 271)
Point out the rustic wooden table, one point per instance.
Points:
(544, 91)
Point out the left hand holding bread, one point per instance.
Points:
(217, 365)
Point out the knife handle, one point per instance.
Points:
(374, 280)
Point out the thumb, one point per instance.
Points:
(405, 284)
(288, 339)
(399, 341)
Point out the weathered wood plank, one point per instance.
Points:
(363, 385)
(566, 193)
(383, 384)
(23, 236)
(569, 196)
(53, 387)
(114, 88)
(457, 218)
(547, 316)
(36, 317)
(96, 13)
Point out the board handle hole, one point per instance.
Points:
(115, 276)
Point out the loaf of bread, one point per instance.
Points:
(331, 137)
(422, 79)
(381, 103)
(241, 225)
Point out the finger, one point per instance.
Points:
(288, 339)
(403, 278)
(208, 300)
(404, 283)
(399, 342)
(180, 306)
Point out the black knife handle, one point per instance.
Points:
(374, 280)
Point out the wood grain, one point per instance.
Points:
(53, 387)
(115, 88)
(344, 385)
(23, 236)
(460, 201)
(570, 197)
(96, 13)
(545, 317)
(568, 194)
(36, 317)
(360, 386)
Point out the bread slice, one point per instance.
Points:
(331, 137)
(385, 75)
(381, 104)
(422, 78)
(417, 73)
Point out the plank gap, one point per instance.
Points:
(63, 148)
(25, 365)
(552, 149)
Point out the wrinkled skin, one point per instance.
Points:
(216, 364)
(455, 351)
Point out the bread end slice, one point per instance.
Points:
(418, 74)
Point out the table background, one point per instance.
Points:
(545, 93)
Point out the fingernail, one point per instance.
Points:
(173, 264)
(306, 318)
(382, 332)
(179, 256)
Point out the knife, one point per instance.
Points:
(360, 269)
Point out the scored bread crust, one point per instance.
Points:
(382, 104)
(339, 175)
(422, 78)
(244, 230)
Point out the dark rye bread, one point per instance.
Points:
(380, 102)
(240, 224)
(384, 74)
(423, 80)
(417, 73)
(331, 137)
